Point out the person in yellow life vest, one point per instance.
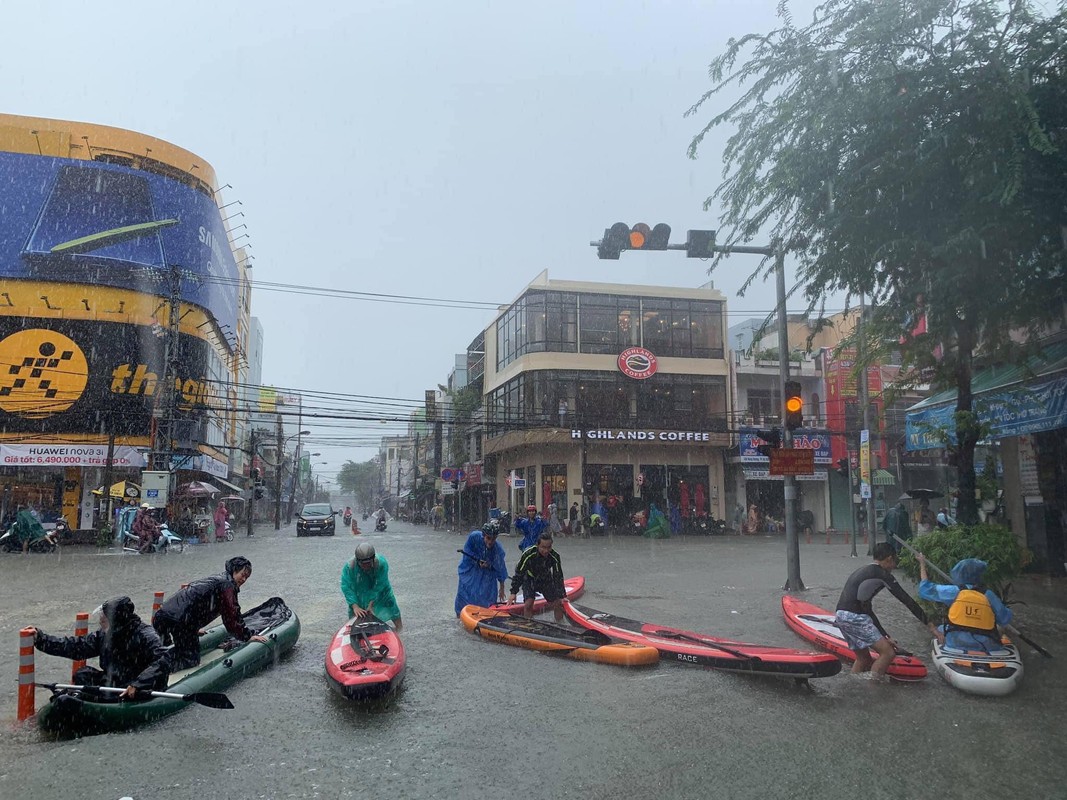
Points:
(974, 612)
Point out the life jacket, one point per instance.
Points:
(971, 611)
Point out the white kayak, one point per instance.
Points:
(992, 674)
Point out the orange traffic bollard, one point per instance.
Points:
(26, 707)
(81, 628)
(157, 601)
(355, 528)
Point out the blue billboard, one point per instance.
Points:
(803, 439)
(73, 221)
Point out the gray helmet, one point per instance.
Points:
(364, 551)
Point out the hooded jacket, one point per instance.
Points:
(202, 600)
(130, 651)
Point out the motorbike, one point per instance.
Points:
(166, 542)
(347, 518)
(366, 515)
(379, 525)
(10, 543)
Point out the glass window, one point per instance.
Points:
(656, 326)
(599, 324)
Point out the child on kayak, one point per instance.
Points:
(856, 619)
(974, 612)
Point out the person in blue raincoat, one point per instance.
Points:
(531, 528)
(658, 527)
(480, 567)
(974, 612)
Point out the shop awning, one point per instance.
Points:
(1014, 399)
(232, 487)
(882, 477)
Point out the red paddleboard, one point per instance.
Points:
(365, 660)
(819, 626)
(573, 587)
(686, 647)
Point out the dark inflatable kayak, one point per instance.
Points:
(686, 647)
(820, 626)
(73, 713)
(365, 660)
(546, 637)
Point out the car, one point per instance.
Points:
(316, 519)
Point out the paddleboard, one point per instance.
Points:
(989, 674)
(818, 625)
(687, 647)
(572, 586)
(365, 660)
(546, 637)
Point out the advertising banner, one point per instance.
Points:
(803, 439)
(865, 464)
(74, 221)
(74, 376)
(68, 455)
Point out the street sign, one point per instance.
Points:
(453, 474)
(792, 462)
(518, 483)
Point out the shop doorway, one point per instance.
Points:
(609, 491)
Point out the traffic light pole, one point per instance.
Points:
(252, 489)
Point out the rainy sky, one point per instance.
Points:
(444, 150)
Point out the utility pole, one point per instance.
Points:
(252, 490)
(792, 541)
(279, 459)
(865, 404)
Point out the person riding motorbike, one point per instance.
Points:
(381, 517)
(145, 528)
(347, 518)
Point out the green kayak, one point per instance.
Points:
(72, 713)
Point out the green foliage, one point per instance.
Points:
(987, 482)
(360, 480)
(464, 403)
(994, 544)
(104, 535)
(911, 151)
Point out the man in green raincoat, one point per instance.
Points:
(365, 585)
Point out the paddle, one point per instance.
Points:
(707, 643)
(209, 699)
(479, 560)
(1009, 628)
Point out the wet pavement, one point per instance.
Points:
(482, 720)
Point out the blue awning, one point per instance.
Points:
(1014, 400)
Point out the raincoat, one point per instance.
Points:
(130, 652)
(531, 530)
(967, 574)
(369, 589)
(478, 585)
(657, 527)
(27, 527)
(185, 613)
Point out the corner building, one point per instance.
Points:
(607, 393)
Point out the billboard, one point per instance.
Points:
(74, 221)
(75, 376)
(803, 439)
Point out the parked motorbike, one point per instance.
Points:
(10, 543)
(379, 525)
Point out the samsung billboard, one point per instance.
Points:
(74, 221)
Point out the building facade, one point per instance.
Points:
(104, 232)
(609, 396)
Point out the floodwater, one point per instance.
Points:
(482, 720)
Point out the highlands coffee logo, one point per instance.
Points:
(41, 373)
(637, 363)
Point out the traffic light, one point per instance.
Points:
(621, 237)
(794, 406)
(699, 244)
(258, 492)
(842, 467)
(772, 441)
(256, 474)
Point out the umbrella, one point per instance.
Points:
(699, 502)
(120, 490)
(198, 489)
(683, 499)
(923, 494)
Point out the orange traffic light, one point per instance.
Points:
(639, 234)
(794, 406)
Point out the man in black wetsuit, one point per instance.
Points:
(539, 570)
(855, 614)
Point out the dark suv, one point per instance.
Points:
(315, 519)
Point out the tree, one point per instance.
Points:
(465, 402)
(360, 480)
(913, 152)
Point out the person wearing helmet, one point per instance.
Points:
(130, 652)
(185, 613)
(365, 585)
(481, 569)
(531, 528)
(145, 528)
(975, 613)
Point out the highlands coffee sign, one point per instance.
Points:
(637, 363)
(605, 434)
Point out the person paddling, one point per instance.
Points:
(856, 618)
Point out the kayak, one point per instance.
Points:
(365, 660)
(546, 637)
(819, 626)
(74, 713)
(977, 672)
(686, 647)
(572, 586)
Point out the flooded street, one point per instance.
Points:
(482, 720)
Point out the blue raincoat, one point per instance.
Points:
(478, 585)
(531, 530)
(967, 573)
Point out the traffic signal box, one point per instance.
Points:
(621, 237)
(772, 439)
(794, 406)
